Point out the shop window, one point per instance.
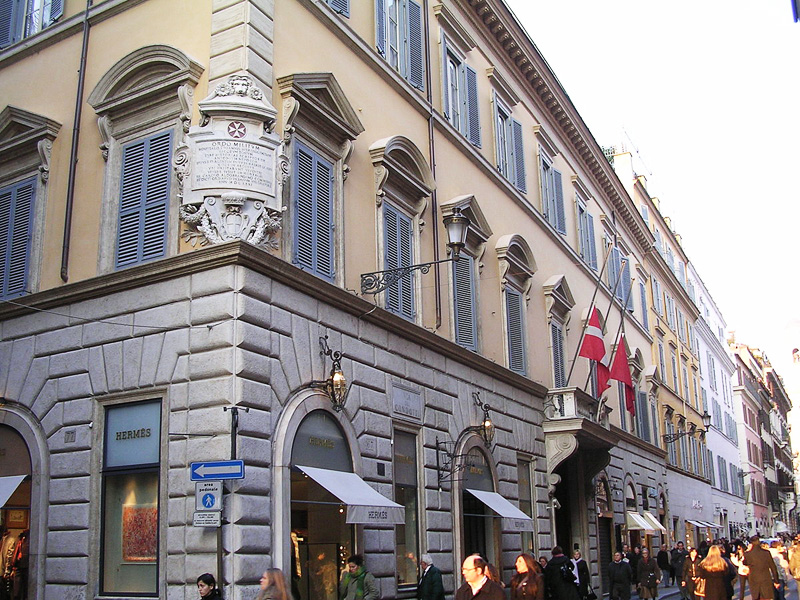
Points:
(15, 514)
(399, 38)
(406, 494)
(20, 19)
(526, 502)
(16, 224)
(130, 513)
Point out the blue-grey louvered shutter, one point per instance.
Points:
(380, 27)
(559, 373)
(472, 107)
(445, 80)
(16, 218)
(7, 20)
(627, 297)
(56, 10)
(643, 296)
(341, 6)
(515, 333)
(416, 51)
(144, 198)
(519, 155)
(398, 250)
(614, 271)
(558, 202)
(643, 415)
(590, 240)
(313, 219)
(464, 302)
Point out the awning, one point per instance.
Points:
(711, 525)
(696, 523)
(513, 518)
(781, 527)
(8, 485)
(364, 504)
(633, 520)
(650, 518)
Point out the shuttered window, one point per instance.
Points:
(464, 302)
(515, 332)
(509, 146)
(312, 194)
(460, 95)
(22, 18)
(340, 6)
(557, 340)
(552, 195)
(643, 298)
(144, 200)
(588, 247)
(643, 417)
(399, 38)
(16, 222)
(398, 241)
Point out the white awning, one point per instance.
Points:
(711, 525)
(513, 518)
(364, 504)
(8, 485)
(781, 527)
(634, 520)
(696, 523)
(650, 518)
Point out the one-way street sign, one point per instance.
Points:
(220, 469)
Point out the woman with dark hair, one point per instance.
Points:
(526, 584)
(273, 586)
(207, 587)
(691, 572)
(357, 583)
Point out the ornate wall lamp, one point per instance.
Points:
(336, 384)
(456, 225)
(669, 438)
(448, 463)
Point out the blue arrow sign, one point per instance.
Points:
(220, 469)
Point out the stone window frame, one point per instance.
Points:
(26, 153)
(517, 267)
(134, 99)
(317, 113)
(559, 303)
(404, 180)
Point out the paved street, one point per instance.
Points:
(672, 592)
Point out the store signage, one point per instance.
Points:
(406, 403)
(208, 495)
(132, 434)
(220, 469)
(207, 519)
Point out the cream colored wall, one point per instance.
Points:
(184, 24)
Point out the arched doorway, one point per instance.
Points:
(480, 527)
(605, 528)
(15, 510)
(321, 538)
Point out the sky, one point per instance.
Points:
(707, 92)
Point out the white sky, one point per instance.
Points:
(708, 91)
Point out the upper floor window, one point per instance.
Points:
(399, 38)
(22, 18)
(517, 268)
(340, 6)
(658, 304)
(619, 276)
(558, 302)
(586, 239)
(643, 416)
(144, 200)
(643, 299)
(508, 145)
(312, 195)
(464, 302)
(460, 94)
(16, 223)
(398, 242)
(552, 193)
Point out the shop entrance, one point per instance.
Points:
(480, 523)
(15, 514)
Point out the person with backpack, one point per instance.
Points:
(559, 579)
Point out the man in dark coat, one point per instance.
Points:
(620, 578)
(560, 583)
(763, 577)
(430, 582)
(477, 584)
(679, 554)
(662, 558)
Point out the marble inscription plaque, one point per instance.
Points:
(236, 164)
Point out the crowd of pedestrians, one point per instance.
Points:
(707, 572)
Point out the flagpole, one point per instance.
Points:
(616, 339)
(591, 306)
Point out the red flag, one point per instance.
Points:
(603, 375)
(622, 373)
(593, 346)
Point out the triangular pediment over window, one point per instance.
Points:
(25, 141)
(558, 297)
(470, 208)
(322, 101)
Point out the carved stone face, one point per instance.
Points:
(240, 85)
